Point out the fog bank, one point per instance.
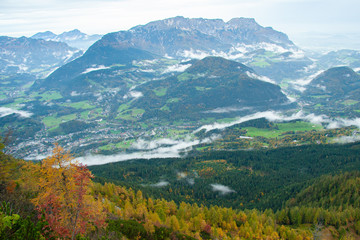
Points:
(4, 111)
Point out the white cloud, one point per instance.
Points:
(4, 111)
(160, 184)
(177, 68)
(133, 94)
(168, 148)
(271, 115)
(279, 117)
(96, 68)
(347, 139)
(150, 149)
(262, 78)
(149, 145)
(300, 84)
(221, 188)
(228, 109)
(193, 54)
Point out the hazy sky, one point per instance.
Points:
(332, 21)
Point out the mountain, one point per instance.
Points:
(350, 58)
(48, 36)
(181, 38)
(73, 38)
(100, 63)
(34, 56)
(178, 36)
(339, 83)
(334, 191)
(208, 84)
(337, 90)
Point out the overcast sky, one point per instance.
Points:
(333, 21)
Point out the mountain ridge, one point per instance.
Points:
(74, 38)
(175, 38)
(35, 56)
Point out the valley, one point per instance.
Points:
(105, 103)
(191, 128)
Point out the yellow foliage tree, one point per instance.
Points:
(64, 196)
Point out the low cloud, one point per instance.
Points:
(221, 188)
(133, 94)
(341, 122)
(160, 184)
(4, 111)
(177, 68)
(142, 144)
(169, 148)
(228, 109)
(301, 83)
(262, 78)
(191, 181)
(181, 175)
(273, 116)
(193, 54)
(347, 139)
(101, 67)
(149, 150)
(270, 115)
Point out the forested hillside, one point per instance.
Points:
(253, 179)
(41, 201)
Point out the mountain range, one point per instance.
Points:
(34, 56)
(73, 38)
(174, 72)
(177, 38)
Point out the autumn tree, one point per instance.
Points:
(64, 198)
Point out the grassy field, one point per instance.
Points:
(283, 127)
(54, 121)
(260, 63)
(121, 145)
(320, 96)
(177, 132)
(85, 115)
(165, 108)
(47, 96)
(17, 104)
(184, 76)
(123, 107)
(349, 102)
(226, 120)
(130, 114)
(79, 105)
(173, 100)
(160, 91)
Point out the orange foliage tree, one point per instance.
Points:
(64, 196)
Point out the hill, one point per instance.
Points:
(330, 192)
(239, 179)
(208, 84)
(336, 89)
(72, 206)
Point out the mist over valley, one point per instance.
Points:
(149, 92)
(179, 119)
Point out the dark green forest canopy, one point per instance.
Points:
(256, 179)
